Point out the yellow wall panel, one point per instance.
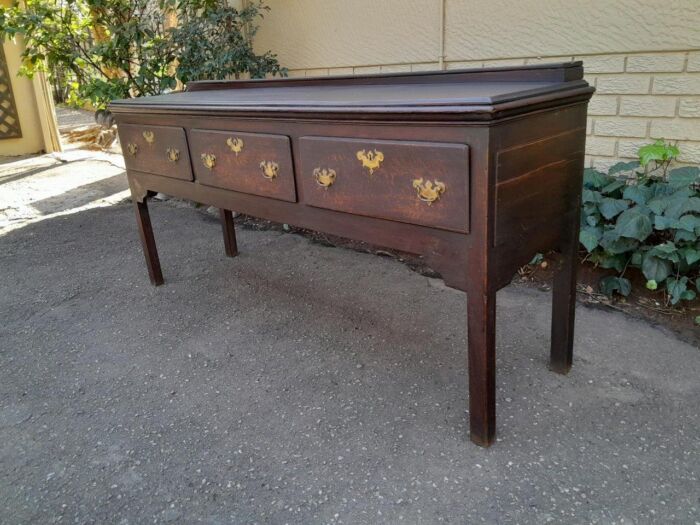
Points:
(310, 34)
(529, 28)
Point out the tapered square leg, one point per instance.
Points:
(564, 305)
(481, 325)
(148, 242)
(229, 233)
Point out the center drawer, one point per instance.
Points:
(255, 163)
(425, 183)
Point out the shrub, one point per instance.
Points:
(107, 49)
(227, 49)
(649, 220)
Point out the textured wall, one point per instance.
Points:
(32, 140)
(642, 55)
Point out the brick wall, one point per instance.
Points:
(640, 97)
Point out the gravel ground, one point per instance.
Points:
(300, 383)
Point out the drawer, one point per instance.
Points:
(423, 183)
(254, 163)
(161, 150)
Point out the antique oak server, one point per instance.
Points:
(476, 170)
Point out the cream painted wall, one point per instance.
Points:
(526, 28)
(34, 107)
(32, 140)
(643, 56)
(317, 33)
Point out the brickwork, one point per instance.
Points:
(640, 97)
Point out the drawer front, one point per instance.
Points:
(423, 183)
(161, 150)
(254, 163)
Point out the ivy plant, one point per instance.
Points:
(649, 221)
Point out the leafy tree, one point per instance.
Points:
(113, 48)
(123, 48)
(227, 49)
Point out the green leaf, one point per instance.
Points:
(677, 202)
(652, 284)
(659, 151)
(664, 223)
(683, 235)
(614, 244)
(664, 249)
(692, 205)
(691, 255)
(590, 196)
(594, 179)
(637, 193)
(659, 204)
(623, 166)
(605, 260)
(612, 283)
(634, 224)
(613, 186)
(656, 269)
(589, 237)
(685, 176)
(689, 223)
(677, 289)
(609, 207)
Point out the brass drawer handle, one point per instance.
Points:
(269, 169)
(173, 154)
(149, 136)
(370, 159)
(429, 191)
(132, 148)
(324, 177)
(235, 144)
(209, 160)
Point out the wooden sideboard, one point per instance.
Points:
(475, 170)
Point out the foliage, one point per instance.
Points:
(113, 48)
(123, 48)
(650, 222)
(660, 153)
(228, 49)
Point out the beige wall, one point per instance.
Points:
(32, 140)
(643, 56)
(34, 107)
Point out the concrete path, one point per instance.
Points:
(304, 384)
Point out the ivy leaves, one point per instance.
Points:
(633, 224)
(647, 222)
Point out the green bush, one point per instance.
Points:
(107, 49)
(649, 220)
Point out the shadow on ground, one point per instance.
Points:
(299, 383)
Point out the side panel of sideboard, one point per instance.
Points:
(538, 167)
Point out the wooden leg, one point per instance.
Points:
(229, 232)
(148, 242)
(564, 304)
(481, 324)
